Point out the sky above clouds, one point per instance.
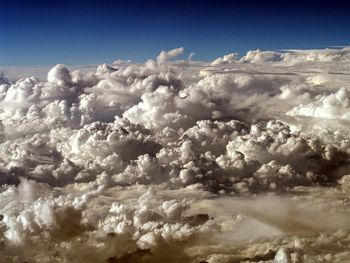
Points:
(90, 32)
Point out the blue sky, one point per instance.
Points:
(89, 32)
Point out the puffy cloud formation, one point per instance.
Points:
(239, 160)
(227, 59)
(166, 55)
(332, 106)
(258, 56)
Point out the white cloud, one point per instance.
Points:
(258, 56)
(166, 55)
(333, 106)
(158, 161)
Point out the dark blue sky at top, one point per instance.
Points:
(89, 32)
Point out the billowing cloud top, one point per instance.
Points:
(238, 160)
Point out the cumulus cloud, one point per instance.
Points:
(227, 59)
(166, 55)
(235, 160)
(332, 106)
(258, 56)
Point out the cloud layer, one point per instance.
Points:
(180, 161)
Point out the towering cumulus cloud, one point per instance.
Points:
(244, 159)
